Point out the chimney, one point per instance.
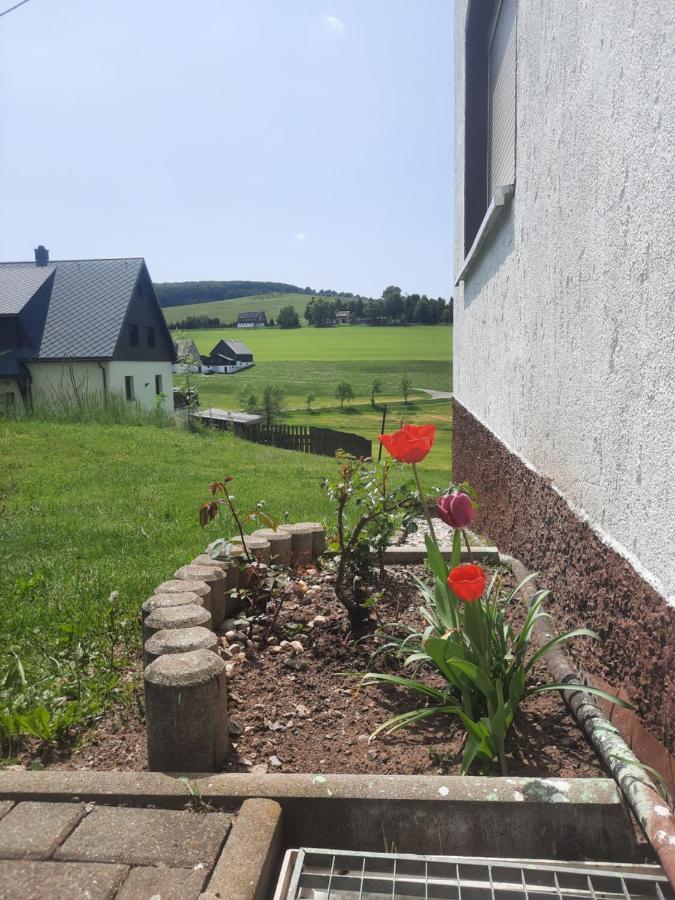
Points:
(41, 255)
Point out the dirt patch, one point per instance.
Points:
(295, 709)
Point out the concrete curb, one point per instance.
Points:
(247, 865)
(458, 814)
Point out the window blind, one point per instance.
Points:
(502, 98)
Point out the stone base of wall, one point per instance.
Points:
(593, 585)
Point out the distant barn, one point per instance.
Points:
(228, 357)
(251, 320)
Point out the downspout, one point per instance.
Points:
(105, 381)
(648, 806)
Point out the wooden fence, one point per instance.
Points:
(305, 439)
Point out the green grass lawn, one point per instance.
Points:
(228, 310)
(90, 509)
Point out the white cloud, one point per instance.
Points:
(335, 24)
(300, 236)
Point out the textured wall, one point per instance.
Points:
(565, 330)
(592, 585)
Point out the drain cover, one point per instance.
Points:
(310, 874)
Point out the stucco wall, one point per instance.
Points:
(58, 379)
(143, 374)
(564, 340)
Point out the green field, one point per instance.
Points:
(342, 343)
(228, 310)
(314, 360)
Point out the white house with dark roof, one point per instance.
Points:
(70, 328)
(228, 357)
(252, 320)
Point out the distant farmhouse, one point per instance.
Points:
(188, 358)
(252, 320)
(72, 328)
(227, 357)
(343, 316)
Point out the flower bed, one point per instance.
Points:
(436, 663)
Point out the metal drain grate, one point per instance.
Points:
(309, 874)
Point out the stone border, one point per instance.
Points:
(186, 695)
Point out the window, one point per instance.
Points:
(129, 387)
(133, 335)
(502, 97)
(158, 384)
(490, 108)
(151, 336)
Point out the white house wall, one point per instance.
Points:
(143, 374)
(55, 379)
(564, 342)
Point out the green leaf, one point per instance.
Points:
(561, 638)
(435, 559)
(414, 685)
(586, 688)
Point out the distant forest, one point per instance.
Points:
(182, 293)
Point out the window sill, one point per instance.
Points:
(500, 200)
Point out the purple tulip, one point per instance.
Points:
(456, 510)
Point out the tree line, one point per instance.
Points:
(392, 308)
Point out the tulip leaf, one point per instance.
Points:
(435, 558)
(585, 688)
(561, 638)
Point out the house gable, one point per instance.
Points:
(144, 334)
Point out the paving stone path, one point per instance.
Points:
(66, 851)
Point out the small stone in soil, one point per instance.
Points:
(302, 710)
(236, 648)
(259, 769)
(275, 649)
(297, 646)
(275, 761)
(231, 635)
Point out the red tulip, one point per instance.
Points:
(467, 581)
(456, 510)
(411, 443)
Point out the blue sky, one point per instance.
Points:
(289, 140)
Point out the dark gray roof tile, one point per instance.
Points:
(18, 282)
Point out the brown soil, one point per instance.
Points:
(304, 710)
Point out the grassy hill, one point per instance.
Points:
(228, 310)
